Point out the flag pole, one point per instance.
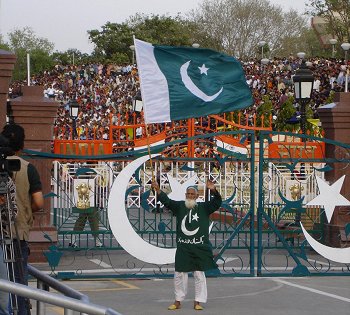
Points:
(147, 133)
(149, 152)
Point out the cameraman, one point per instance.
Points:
(29, 199)
(8, 212)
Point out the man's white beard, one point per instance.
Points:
(190, 203)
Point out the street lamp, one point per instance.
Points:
(137, 102)
(261, 44)
(74, 109)
(264, 62)
(132, 47)
(301, 55)
(333, 41)
(346, 47)
(303, 85)
(73, 112)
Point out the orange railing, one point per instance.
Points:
(127, 132)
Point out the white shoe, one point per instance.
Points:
(98, 243)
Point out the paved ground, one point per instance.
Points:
(263, 296)
(316, 295)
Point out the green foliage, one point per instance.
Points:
(69, 57)
(163, 30)
(23, 42)
(27, 40)
(119, 58)
(4, 46)
(286, 112)
(336, 14)
(264, 111)
(39, 62)
(114, 40)
(330, 98)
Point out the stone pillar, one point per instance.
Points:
(335, 119)
(7, 64)
(35, 113)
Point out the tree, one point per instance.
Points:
(163, 30)
(69, 57)
(264, 112)
(236, 26)
(114, 40)
(337, 15)
(24, 41)
(287, 111)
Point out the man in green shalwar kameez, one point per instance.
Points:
(193, 253)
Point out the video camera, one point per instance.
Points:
(7, 165)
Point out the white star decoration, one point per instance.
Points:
(178, 190)
(195, 217)
(203, 69)
(329, 196)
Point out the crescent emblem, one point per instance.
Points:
(120, 224)
(184, 229)
(193, 88)
(340, 255)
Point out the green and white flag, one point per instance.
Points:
(184, 82)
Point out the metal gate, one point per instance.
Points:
(256, 232)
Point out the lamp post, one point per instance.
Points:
(346, 47)
(132, 47)
(303, 85)
(261, 44)
(73, 112)
(301, 55)
(333, 41)
(264, 62)
(137, 102)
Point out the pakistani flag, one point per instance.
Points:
(184, 82)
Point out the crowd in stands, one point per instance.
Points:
(106, 93)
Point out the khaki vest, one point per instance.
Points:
(24, 219)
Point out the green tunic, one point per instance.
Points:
(193, 251)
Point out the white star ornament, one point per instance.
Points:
(329, 196)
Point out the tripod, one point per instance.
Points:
(6, 231)
(12, 256)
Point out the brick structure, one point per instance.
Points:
(7, 64)
(335, 119)
(35, 113)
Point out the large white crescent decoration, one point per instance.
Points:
(340, 255)
(120, 224)
(193, 88)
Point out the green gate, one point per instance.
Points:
(256, 232)
(289, 203)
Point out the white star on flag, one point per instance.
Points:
(178, 190)
(195, 217)
(329, 196)
(203, 69)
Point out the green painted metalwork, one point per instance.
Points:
(255, 233)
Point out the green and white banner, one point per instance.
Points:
(184, 82)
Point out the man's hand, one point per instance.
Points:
(211, 186)
(155, 186)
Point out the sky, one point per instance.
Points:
(66, 22)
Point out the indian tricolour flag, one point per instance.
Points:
(184, 82)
